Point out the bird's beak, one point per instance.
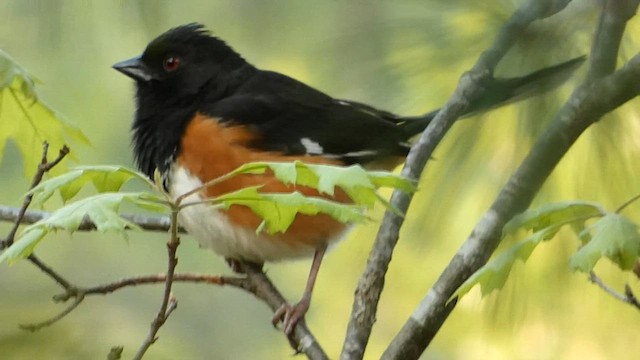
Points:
(135, 69)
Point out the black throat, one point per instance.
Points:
(156, 134)
(161, 120)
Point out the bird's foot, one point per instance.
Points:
(290, 315)
(237, 266)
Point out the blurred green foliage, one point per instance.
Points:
(403, 56)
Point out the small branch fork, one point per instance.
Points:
(628, 297)
(255, 282)
(43, 168)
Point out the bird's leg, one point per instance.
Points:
(290, 315)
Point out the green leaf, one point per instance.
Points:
(493, 275)
(389, 180)
(279, 210)
(545, 222)
(27, 120)
(104, 178)
(555, 213)
(102, 210)
(613, 236)
(10, 70)
(24, 246)
(358, 183)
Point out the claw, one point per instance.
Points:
(290, 315)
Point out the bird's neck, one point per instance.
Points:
(156, 136)
(159, 121)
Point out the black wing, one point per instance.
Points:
(295, 119)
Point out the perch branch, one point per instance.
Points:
(257, 283)
(587, 104)
(148, 223)
(469, 89)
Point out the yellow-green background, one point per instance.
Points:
(403, 56)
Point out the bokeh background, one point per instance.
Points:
(404, 56)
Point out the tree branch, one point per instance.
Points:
(148, 223)
(80, 294)
(257, 282)
(470, 87)
(169, 302)
(49, 271)
(302, 340)
(587, 104)
(606, 43)
(37, 326)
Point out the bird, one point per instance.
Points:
(203, 111)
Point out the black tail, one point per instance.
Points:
(505, 91)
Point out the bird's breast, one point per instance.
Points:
(223, 233)
(210, 150)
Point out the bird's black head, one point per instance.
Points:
(181, 61)
(178, 71)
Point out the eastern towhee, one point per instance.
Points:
(202, 111)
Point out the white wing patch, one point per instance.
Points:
(311, 146)
(360, 153)
(314, 148)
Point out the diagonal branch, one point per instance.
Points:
(302, 340)
(469, 89)
(586, 105)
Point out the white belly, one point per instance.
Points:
(213, 230)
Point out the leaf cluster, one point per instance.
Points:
(602, 234)
(278, 210)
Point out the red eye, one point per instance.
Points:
(171, 63)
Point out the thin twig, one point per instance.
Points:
(168, 303)
(216, 181)
(80, 294)
(633, 300)
(105, 289)
(37, 326)
(49, 271)
(43, 167)
(628, 296)
(627, 203)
